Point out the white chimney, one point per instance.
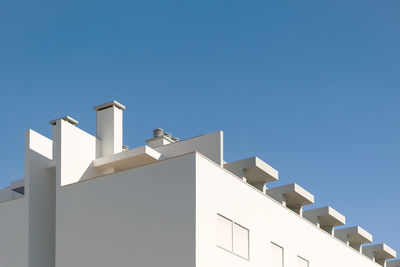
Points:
(109, 127)
(53, 129)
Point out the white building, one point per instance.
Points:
(88, 201)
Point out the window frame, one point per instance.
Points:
(248, 238)
(304, 259)
(231, 245)
(283, 252)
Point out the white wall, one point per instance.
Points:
(6, 194)
(40, 186)
(75, 153)
(13, 233)
(218, 191)
(142, 217)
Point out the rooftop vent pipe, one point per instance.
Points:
(160, 138)
(157, 132)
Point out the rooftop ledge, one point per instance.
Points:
(326, 218)
(128, 159)
(354, 236)
(291, 195)
(379, 252)
(253, 169)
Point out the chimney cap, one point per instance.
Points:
(109, 104)
(65, 118)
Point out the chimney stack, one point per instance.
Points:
(53, 129)
(109, 127)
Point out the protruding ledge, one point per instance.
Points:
(65, 118)
(379, 252)
(395, 263)
(354, 236)
(128, 159)
(292, 196)
(254, 170)
(159, 141)
(326, 218)
(109, 104)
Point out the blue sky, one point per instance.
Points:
(311, 87)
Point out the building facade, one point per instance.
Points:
(89, 201)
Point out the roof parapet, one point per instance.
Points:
(14, 191)
(255, 171)
(395, 263)
(325, 218)
(354, 236)
(379, 253)
(292, 196)
(18, 186)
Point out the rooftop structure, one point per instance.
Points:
(354, 236)
(91, 201)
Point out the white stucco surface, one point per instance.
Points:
(218, 192)
(13, 233)
(140, 217)
(40, 184)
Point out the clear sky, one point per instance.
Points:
(312, 87)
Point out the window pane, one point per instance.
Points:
(276, 255)
(224, 233)
(240, 241)
(302, 262)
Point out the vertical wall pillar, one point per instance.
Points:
(53, 124)
(40, 194)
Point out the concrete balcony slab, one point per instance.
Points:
(292, 196)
